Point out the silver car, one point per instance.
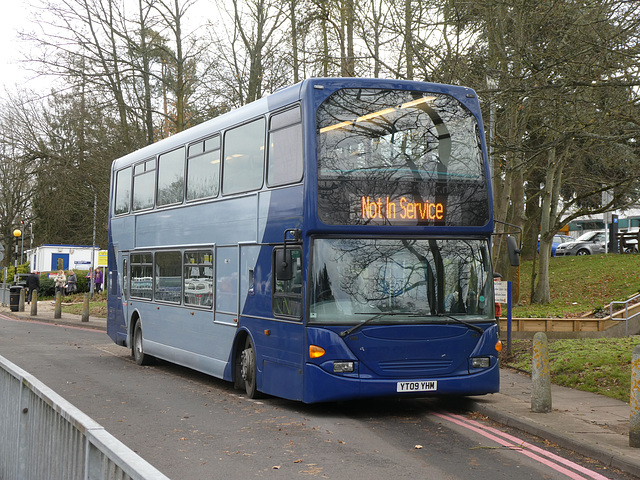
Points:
(589, 243)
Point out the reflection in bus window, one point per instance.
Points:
(171, 177)
(123, 191)
(285, 148)
(141, 275)
(287, 294)
(198, 278)
(144, 185)
(243, 158)
(399, 158)
(168, 284)
(400, 281)
(203, 169)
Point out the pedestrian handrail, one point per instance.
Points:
(44, 436)
(633, 300)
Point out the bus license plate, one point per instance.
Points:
(428, 386)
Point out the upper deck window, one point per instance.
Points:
(203, 169)
(391, 157)
(243, 168)
(171, 177)
(123, 191)
(285, 148)
(144, 184)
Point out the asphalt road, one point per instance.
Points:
(191, 426)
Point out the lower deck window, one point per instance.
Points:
(142, 275)
(198, 278)
(168, 277)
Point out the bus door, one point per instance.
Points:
(124, 289)
(116, 286)
(280, 341)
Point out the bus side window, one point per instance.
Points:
(122, 199)
(285, 148)
(287, 294)
(243, 164)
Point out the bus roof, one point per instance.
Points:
(284, 96)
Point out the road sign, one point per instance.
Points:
(500, 291)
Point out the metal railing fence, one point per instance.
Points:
(626, 317)
(43, 436)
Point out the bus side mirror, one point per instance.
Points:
(283, 266)
(514, 251)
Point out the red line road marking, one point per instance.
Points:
(527, 449)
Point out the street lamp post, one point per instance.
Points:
(17, 233)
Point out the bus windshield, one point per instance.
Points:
(391, 157)
(400, 280)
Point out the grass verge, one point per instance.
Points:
(581, 285)
(97, 307)
(600, 365)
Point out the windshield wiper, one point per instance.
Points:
(478, 329)
(362, 324)
(348, 331)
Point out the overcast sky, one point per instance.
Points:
(13, 17)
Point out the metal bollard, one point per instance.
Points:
(34, 303)
(58, 310)
(21, 300)
(634, 399)
(85, 308)
(541, 387)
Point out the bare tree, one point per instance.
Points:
(180, 74)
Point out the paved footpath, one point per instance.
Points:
(590, 424)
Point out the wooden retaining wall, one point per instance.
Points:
(580, 327)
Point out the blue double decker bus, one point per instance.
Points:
(328, 242)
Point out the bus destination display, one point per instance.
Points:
(377, 208)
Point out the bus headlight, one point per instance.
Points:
(481, 362)
(342, 367)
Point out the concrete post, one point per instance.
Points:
(21, 301)
(58, 310)
(85, 308)
(541, 388)
(34, 303)
(634, 400)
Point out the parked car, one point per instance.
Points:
(557, 240)
(589, 243)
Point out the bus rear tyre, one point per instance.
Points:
(137, 349)
(248, 369)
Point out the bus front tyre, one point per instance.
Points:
(248, 369)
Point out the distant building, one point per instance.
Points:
(75, 257)
(628, 220)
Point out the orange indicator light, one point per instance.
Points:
(316, 351)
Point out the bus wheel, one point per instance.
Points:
(248, 369)
(138, 352)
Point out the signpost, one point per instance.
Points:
(503, 294)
